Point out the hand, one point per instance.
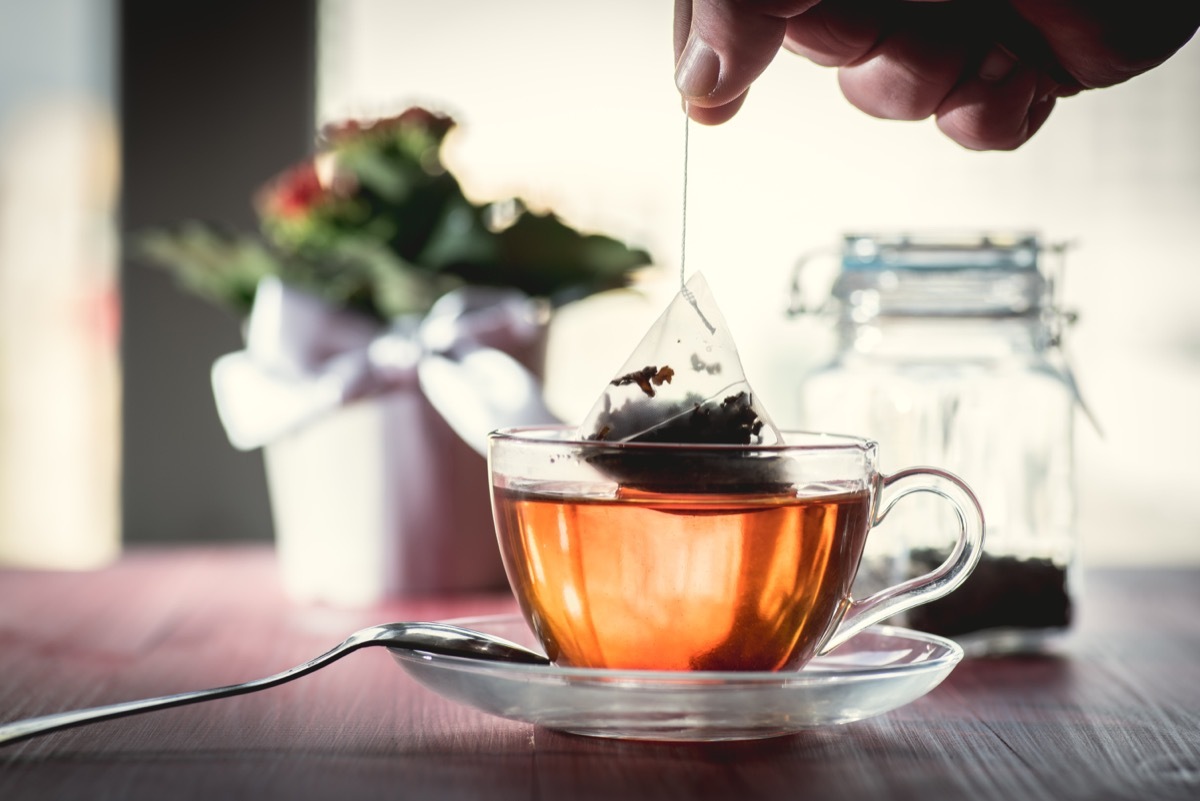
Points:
(990, 71)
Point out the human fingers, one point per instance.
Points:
(916, 60)
(1000, 107)
(837, 32)
(1098, 44)
(898, 60)
(1043, 51)
(834, 33)
(722, 46)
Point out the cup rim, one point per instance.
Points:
(818, 441)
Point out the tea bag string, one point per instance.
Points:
(687, 293)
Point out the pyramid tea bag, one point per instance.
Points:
(683, 383)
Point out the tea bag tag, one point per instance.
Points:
(684, 382)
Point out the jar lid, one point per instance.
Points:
(985, 274)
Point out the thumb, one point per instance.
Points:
(722, 46)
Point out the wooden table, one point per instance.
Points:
(1116, 716)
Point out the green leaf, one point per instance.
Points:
(392, 285)
(459, 237)
(541, 255)
(221, 267)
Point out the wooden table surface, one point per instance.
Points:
(1116, 715)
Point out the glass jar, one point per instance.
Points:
(949, 353)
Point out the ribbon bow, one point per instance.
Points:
(304, 359)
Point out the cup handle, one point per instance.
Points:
(933, 585)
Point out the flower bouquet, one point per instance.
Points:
(390, 321)
(374, 222)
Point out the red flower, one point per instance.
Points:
(292, 193)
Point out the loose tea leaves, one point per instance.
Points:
(733, 421)
(1003, 592)
(647, 378)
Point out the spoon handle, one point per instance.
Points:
(32, 727)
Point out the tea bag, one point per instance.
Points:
(683, 383)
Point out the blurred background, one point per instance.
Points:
(119, 115)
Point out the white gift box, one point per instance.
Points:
(378, 499)
(374, 437)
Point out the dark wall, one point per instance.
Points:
(216, 96)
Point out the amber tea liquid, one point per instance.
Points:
(682, 581)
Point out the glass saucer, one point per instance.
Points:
(882, 668)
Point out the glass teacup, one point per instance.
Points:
(662, 556)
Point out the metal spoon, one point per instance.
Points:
(435, 638)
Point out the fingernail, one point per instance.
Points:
(997, 65)
(698, 69)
